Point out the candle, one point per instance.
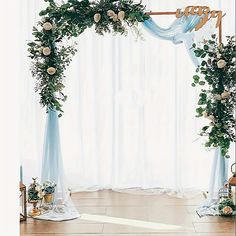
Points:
(21, 174)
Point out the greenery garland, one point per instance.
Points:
(217, 102)
(50, 57)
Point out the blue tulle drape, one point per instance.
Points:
(178, 32)
(52, 160)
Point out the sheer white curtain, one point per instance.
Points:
(130, 116)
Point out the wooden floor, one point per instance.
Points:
(133, 215)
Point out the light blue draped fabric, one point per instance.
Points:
(179, 32)
(52, 161)
(52, 170)
(178, 27)
(219, 175)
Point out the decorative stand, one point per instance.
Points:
(23, 202)
(232, 184)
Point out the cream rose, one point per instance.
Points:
(97, 17)
(218, 55)
(225, 94)
(40, 194)
(46, 51)
(115, 17)
(221, 63)
(227, 210)
(110, 13)
(51, 70)
(40, 49)
(205, 115)
(217, 97)
(47, 26)
(121, 15)
(38, 188)
(211, 117)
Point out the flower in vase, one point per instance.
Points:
(221, 63)
(227, 210)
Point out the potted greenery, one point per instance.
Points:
(48, 191)
(35, 194)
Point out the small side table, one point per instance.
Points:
(23, 202)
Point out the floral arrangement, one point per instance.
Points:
(35, 192)
(226, 207)
(48, 187)
(217, 99)
(50, 57)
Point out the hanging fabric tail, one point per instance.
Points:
(52, 161)
(52, 170)
(219, 174)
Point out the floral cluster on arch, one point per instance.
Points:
(50, 56)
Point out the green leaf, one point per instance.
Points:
(205, 128)
(196, 79)
(202, 82)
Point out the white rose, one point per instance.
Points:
(218, 55)
(40, 194)
(221, 63)
(47, 26)
(217, 97)
(46, 51)
(110, 13)
(41, 49)
(51, 70)
(211, 117)
(38, 188)
(97, 17)
(115, 17)
(121, 15)
(205, 115)
(225, 94)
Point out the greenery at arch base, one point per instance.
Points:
(50, 57)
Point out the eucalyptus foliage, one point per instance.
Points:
(217, 99)
(50, 56)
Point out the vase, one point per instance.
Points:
(48, 198)
(35, 211)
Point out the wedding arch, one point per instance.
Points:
(50, 57)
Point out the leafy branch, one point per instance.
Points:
(217, 99)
